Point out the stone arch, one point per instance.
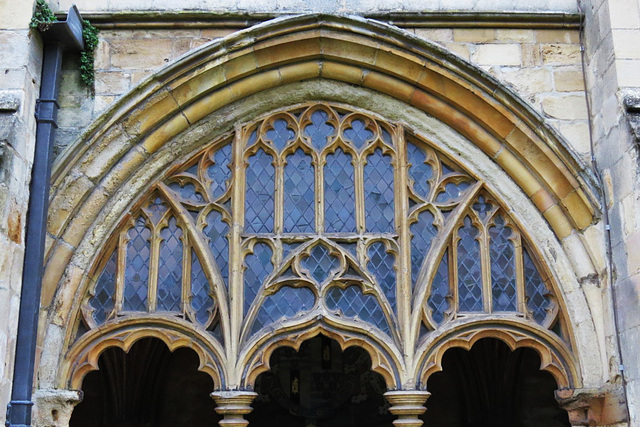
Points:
(314, 57)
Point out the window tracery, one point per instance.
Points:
(320, 211)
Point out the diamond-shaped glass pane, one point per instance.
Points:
(422, 233)
(381, 264)
(320, 263)
(258, 267)
(201, 301)
(219, 171)
(299, 193)
(216, 230)
(440, 290)
(280, 134)
(102, 302)
(170, 268)
(503, 268)
(536, 290)
(351, 302)
(284, 304)
(136, 275)
(358, 134)
(469, 269)
(378, 193)
(419, 171)
(339, 193)
(319, 130)
(259, 195)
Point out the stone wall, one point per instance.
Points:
(20, 65)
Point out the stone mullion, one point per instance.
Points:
(454, 269)
(186, 271)
(319, 189)
(154, 259)
(235, 251)
(485, 264)
(278, 194)
(123, 240)
(358, 173)
(403, 262)
(520, 283)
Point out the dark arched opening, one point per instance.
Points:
(149, 386)
(320, 386)
(490, 385)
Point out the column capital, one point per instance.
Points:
(233, 405)
(407, 405)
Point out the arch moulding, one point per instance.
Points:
(193, 101)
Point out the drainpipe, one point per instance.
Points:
(61, 36)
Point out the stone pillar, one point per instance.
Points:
(233, 405)
(407, 405)
(53, 408)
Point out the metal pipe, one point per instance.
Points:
(65, 35)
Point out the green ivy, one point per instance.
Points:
(42, 17)
(90, 38)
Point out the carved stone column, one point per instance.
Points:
(407, 405)
(53, 408)
(233, 405)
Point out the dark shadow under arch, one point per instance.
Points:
(492, 386)
(149, 386)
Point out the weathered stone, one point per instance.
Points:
(557, 54)
(498, 54)
(568, 80)
(568, 107)
(53, 408)
(139, 53)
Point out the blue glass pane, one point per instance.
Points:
(469, 268)
(503, 268)
(259, 194)
(482, 207)
(258, 267)
(452, 192)
(422, 233)
(288, 247)
(419, 171)
(339, 193)
(102, 302)
(219, 171)
(299, 192)
(358, 134)
(438, 302)
(320, 263)
(280, 134)
(137, 268)
(201, 301)
(351, 302)
(536, 290)
(284, 304)
(216, 230)
(319, 130)
(170, 268)
(187, 192)
(156, 209)
(378, 193)
(381, 264)
(386, 136)
(351, 247)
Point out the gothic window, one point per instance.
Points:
(319, 212)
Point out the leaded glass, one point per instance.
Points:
(319, 130)
(219, 172)
(186, 192)
(102, 302)
(280, 134)
(299, 192)
(170, 268)
(258, 267)
(381, 263)
(482, 207)
(339, 193)
(284, 304)
(451, 192)
(216, 231)
(320, 263)
(137, 267)
(351, 302)
(503, 267)
(422, 233)
(358, 133)
(469, 268)
(440, 290)
(536, 290)
(259, 194)
(288, 247)
(378, 193)
(419, 171)
(201, 301)
(156, 209)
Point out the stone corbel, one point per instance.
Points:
(53, 408)
(407, 405)
(593, 407)
(233, 405)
